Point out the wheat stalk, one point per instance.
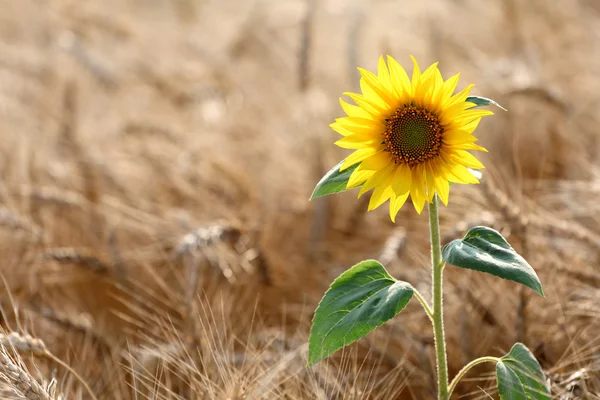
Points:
(20, 380)
(207, 236)
(511, 211)
(393, 246)
(18, 376)
(82, 258)
(70, 323)
(201, 241)
(24, 343)
(305, 46)
(15, 222)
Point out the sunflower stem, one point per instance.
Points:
(438, 313)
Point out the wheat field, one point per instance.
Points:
(156, 160)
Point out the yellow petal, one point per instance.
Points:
(470, 115)
(377, 179)
(460, 174)
(459, 97)
(384, 75)
(458, 136)
(418, 203)
(359, 125)
(346, 129)
(376, 162)
(444, 168)
(364, 104)
(426, 87)
(377, 84)
(467, 146)
(417, 190)
(449, 87)
(357, 157)
(430, 70)
(396, 203)
(354, 111)
(358, 177)
(449, 114)
(467, 159)
(340, 129)
(357, 141)
(433, 98)
(442, 187)
(375, 96)
(399, 78)
(402, 180)
(471, 126)
(356, 121)
(416, 76)
(379, 196)
(429, 175)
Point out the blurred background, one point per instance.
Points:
(156, 160)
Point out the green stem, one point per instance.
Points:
(466, 369)
(438, 313)
(423, 303)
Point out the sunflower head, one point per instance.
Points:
(411, 136)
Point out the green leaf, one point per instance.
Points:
(334, 181)
(520, 376)
(484, 249)
(358, 301)
(483, 101)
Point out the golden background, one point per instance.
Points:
(156, 160)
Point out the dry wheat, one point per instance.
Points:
(16, 375)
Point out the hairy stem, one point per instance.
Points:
(466, 369)
(438, 313)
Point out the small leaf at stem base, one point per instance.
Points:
(520, 376)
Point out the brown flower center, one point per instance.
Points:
(413, 135)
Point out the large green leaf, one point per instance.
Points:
(334, 181)
(483, 101)
(358, 301)
(520, 376)
(484, 249)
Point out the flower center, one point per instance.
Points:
(413, 135)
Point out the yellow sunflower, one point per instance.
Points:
(411, 136)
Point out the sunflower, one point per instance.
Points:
(411, 137)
